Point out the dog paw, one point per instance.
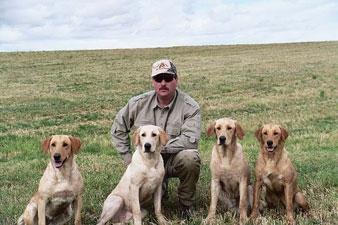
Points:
(291, 221)
(209, 220)
(255, 214)
(161, 220)
(243, 220)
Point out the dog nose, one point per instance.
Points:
(57, 156)
(147, 147)
(269, 143)
(222, 140)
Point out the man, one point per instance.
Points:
(179, 115)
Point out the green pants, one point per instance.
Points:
(184, 165)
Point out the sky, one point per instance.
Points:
(35, 25)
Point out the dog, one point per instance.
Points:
(141, 181)
(229, 169)
(59, 195)
(276, 173)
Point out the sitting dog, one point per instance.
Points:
(276, 173)
(60, 190)
(229, 169)
(141, 182)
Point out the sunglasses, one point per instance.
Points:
(165, 77)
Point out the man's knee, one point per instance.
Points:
(189, 160)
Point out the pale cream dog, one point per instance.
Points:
(229, 169)
(141, 182)
(59, 195)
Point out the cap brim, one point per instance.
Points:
(162, 72)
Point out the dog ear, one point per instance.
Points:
(258, 134)
(285, 133)
(163, 137)
(211, 129)
(239, 131)
(136, 137)
(76, 144)
(45, 145)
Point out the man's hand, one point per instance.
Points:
(163, 150)
(126, 158)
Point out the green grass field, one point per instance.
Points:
(80, 92)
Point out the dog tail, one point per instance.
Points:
(20, 220)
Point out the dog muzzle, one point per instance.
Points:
(270, 148)
(222, 140)
(147, 147)
(58, 163)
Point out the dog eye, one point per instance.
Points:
(229, 128)
(64, 144)
(143, 135)
(265, 133)
(153, 135)
(53, 144)
(218, 128)
(275, 133)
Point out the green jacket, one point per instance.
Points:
(181, 120)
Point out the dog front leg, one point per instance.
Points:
(288, 192)
(215, 189)
(30, 215)
(256, 196)
(135, 204)
(243, 200)
(42, 210)
(77, 209)
(157, 205)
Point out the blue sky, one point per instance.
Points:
(31, 25)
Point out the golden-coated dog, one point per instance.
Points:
(141, 182)
(59, 195)
(229, 169)
(276, 173)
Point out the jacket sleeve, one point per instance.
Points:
(189, 136)
(120, 129)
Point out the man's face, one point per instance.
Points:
(165, 85)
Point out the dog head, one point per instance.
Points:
(61, 148)
(271, 136)
(150, 138)
(226, 131)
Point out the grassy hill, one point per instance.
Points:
(80, 92)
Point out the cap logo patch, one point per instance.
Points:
(162, 66)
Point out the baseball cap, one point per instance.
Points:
(163, 66)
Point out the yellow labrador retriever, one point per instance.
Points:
(229, 169)
(59, 195)
(141, 182)
(276, 173)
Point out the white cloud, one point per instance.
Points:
(9, 34)
(85, 24)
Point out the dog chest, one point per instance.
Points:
(229, 179)
(273, 181)
(59, 202)
(230, 186)
(227, 171)
(147, 189)
(220, 166)
(150, 183)
(271, 177)
(225, 164)
(151, 180)
(62, 197)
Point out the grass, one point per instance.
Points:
(80, 92)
